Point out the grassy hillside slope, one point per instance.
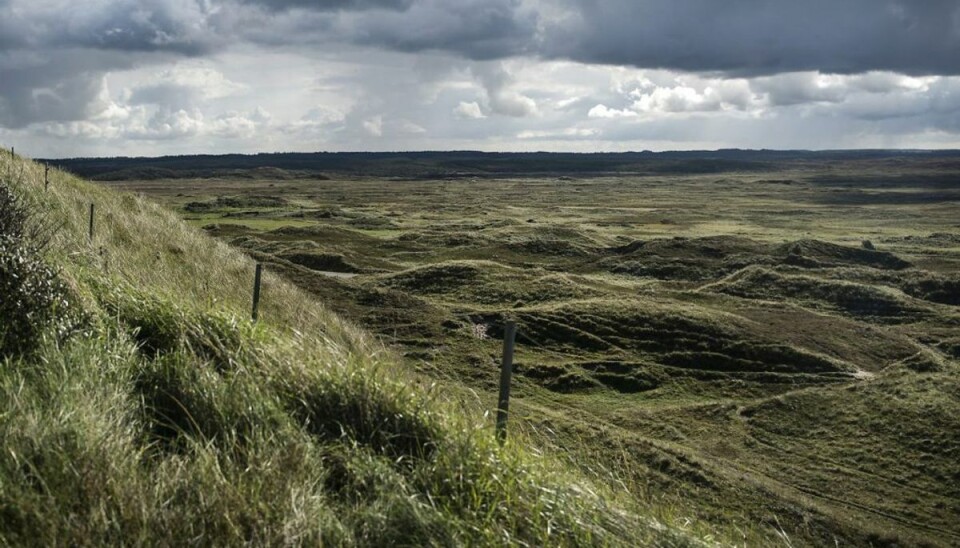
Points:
(775, 348)
(150, 410)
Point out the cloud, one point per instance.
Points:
(180, 26)
(236, 125)
(475, 29)
(316, 123)
(386, 102)
(801, 88)
(469, 110)
(408, 127)
(749, 37)
(183, 87)
(603, 111)
(572, 133)
(54, 54)
(330, 5)
(165, 124)
(887, 82)
(501, 96)
(155, 76)
(374, 126)
(678, 99)
(32, 94)
(741, 37)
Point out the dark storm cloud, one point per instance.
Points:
(180, 26)
(743, 37)
(477, 29)
(53, 55)
(330, 5)
(474, 29)
(751, 37)
(38, 87)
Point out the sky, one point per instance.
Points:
(157, 77)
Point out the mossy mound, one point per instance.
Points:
(865, 301)
(624, 377)
(710, 247)
(711, 258)
(541, 245)
(688, 259)
(253, 243)
(938, 289)
(820, 254)
(678, 336)
(486, 283)
(323, 213)
(580, 235)
(559, 378)
(904, 424)
(319, 233)
(372, 222)
(435, 239)
(235, 202)
(936, 240)
(326, 262)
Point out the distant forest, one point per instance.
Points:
(457, 164)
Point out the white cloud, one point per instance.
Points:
(512, 104)
(800, 88)
(603, 111)
(498, 83)
(374, 126)
(233, 125)
(363, 100)
(211, 83)
(678, 99)
(568, 133)
(469, 110)
(564, 103)
(408, 127)
(323, 116)
(197, 70)
(887, 82)
(165, 124)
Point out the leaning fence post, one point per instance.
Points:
(90, 229)
(506, 371)
(256, 291)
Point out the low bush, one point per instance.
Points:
(32, 297)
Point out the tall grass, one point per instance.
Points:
(170, 418)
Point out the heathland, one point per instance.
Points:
(762, 345)
(142, 406)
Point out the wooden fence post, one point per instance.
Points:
(256, 291)
(506, 372)
(90, 228)
(46, 176)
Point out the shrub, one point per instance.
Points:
(32, 297)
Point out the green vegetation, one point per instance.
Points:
(161, 415)
(34, 299)
(769, 349)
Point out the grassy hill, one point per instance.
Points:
(774, 348)
(142, 406)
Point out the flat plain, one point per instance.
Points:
(778, 345)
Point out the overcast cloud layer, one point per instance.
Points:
(150, 77)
